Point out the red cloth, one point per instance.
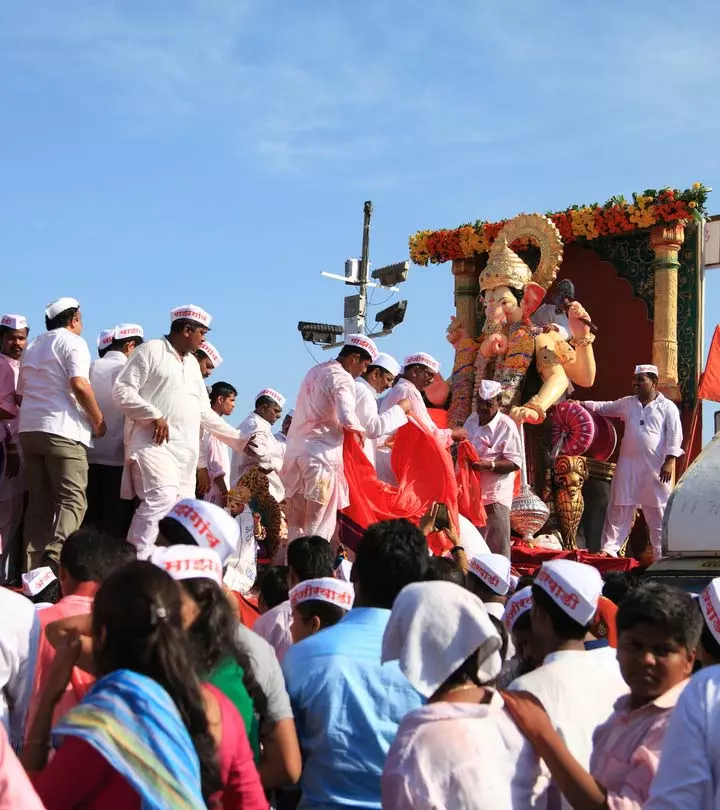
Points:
(247, 609)
(710, 380)
(527, 559)
(470, 503)
(425, 475)
(440, 416)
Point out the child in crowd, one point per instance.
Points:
(41, 586)
(658, 632)
(317, 604)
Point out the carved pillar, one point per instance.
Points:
(666, 240)
(466, 293)
(570, 475)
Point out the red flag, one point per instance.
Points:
(710, 380)
(469, 491)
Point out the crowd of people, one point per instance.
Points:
(136, 669)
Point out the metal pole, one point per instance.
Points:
(364, 267)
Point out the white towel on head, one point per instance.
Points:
(433, 628)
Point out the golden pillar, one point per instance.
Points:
(467, 288)
(571, 472)
(666, 241)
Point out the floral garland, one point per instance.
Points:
(587, 222)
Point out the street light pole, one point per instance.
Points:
(364, 269)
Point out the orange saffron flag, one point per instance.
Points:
(710, 380)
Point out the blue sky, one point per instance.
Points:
(160, 152)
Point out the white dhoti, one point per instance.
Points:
(316, 489)
(618, 523)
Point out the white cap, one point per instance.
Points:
(709, 601)
(105, 338)
(573, 586)
(37, 580)
(422, 359)
(646, 368)
(325, 589)
(489, 389)
(14, 321)
(388, 362)
(54, 308)
(213, 354)
(192, 313)
(188, 562)
(493, 570)
(519, 603)
(272, 394)
(362, 342)
(209, 525)
(128, 330)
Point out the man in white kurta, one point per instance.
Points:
(165, 402)
(263, 450)
(496, 438)
(107, 511)
(419, 371)
(376, 380)
(13, 483)
(213, 450)
(313, 473)
(646, 466)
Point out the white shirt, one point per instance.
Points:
(499, 439)
(9, 372)
(50, 361)
(688, 777)
(157, 382)
(462, 755)
(376, 425)
(546, 314)
(19, 636)
(103, 372)
(274, 626)
(270, 454)
(652, 433)
(578, 689)
(216, 457)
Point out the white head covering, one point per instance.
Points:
(709, 601)
(272, 394)
(362, 342)
(213, 354)
(188, 562)
(12, 321)
(647, 368)
(54, 308)
(520, 602)
(573, 586)
(471, 539)
(422, 359)
(433, 628)
(388, 362)
(324, 589)
(492, 570)
(489, 389)
(192, 313)
(128, 330)
(343, 570)
(105, 338)
(37, 580)
(209, 525)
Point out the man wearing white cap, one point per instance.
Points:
(646, 466)
(13, 485)
(418, 372)
(496, 438)
(313, 473)
(104, 341)
(214, 453)
(577, 687)
(209, 358)
(58, 417)
(376, 380)
(263, 449)
(281, 435)
(165, 402)
(107, 511)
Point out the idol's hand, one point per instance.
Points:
(579, 320)
(521, 415)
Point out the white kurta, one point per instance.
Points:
(313, 467)
(652, 433)
(547, 314)
(155, 383)
(376, 425)
(404, 389)
(270, 454)
(215, 454)
(103, 373)
(499, 439)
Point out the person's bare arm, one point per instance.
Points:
(86, 397)
(280, 762)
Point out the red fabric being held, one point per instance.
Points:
(424, 472)
(470, 503)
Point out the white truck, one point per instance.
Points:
(691, 528)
